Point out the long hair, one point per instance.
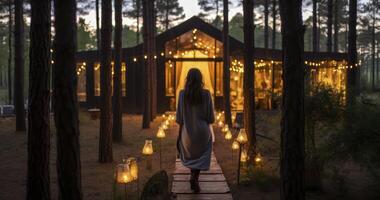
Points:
(194, 87)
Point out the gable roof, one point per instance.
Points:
(198, 23)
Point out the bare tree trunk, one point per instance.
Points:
(97, 26)
(274, 18)
(19, 66)
(293, 116)
(373, 43)
(117, 90)
(315, 28)
(146, 70)
(226, 65)
(329, 24)
(66, 101)
(352, 54)
(266, 24)
(249, 78)
(336, 26)
(105, 139)
(152, 58)
(138, 7)
(38, 181)
(10, 22)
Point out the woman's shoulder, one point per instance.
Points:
(206, 92)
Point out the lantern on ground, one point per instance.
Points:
(258, 159)
(225, 128)
(220, 124)
(123, 175)
(228, 135)
(244, 156)
(148, 151)
(242, 136)
(133, 168)
(235, 145)
(160, 135)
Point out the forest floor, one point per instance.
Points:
(97, 179)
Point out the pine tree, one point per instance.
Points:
(134, 11)
(19, 66)
(352, 53)
(292, 123)
(117, 89)
(38, 180)
(226, 65)
(168, 12)
(329, 24)
(249, 78)
(66, 101)
(209, 6)
(105, 139)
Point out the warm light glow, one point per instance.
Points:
(242, 136)
(133, 168)
(167, 122)
(164, 126)
(161, 133)
(244, 156)
(123, 174)
(228, 135)
(235, 145)
(220, 124)
(148, 148)
(258, 158)
(225, 128)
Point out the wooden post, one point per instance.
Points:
(238, 171)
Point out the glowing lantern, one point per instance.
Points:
(242, 136)
(164, 126)
(167, 122)
(258, 159)
(163, 116)
(148, 148)
(235, 145)
(220, 124)
(133, 168)
(244, 156)
(123, 174)
(161, 133)
(228, 135)
(225, 128)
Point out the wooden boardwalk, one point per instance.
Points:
(213, 183)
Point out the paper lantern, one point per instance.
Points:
(123, 174)
(225, 128)
(133, 168)
(161, 133)
(235, 145)
(242, 136)
(258, 158)
(228, 135)
(244, 156)
(148, 148)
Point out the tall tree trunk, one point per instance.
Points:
(336, 25)
(293, 116)
(329, 24)
(167, 15)
(315, 28)
(249, 78)
(352, 54)
(66, 101)
(274, 17)
(146, 70)
(152, 58)
(117, 90)
(105, 139)
(97, 26)
(19, 66)
(38, 182)
(373, 43)
(10, 22)
(226, 65)
(266, 24)
(138, 11)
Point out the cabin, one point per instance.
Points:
(197, 44)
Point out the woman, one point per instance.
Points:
(195, 113)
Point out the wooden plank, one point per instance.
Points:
(213, 165)
(202, 177)
(180, 187)
(204, 197)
